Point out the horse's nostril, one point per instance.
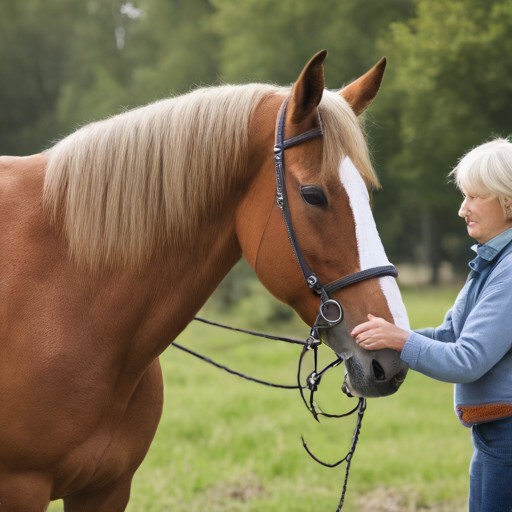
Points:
(378, 371)
(398, 379)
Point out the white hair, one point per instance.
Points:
(487, 170)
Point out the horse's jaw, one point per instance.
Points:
(368, 374)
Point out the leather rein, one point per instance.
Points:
(330, 311)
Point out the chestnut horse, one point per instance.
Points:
(113, 239)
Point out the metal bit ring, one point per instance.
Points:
(340, 309)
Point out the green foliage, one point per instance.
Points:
(33, 58)
(449, 89)
(119, 62)
(280, 37)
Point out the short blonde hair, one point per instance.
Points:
(487, 170)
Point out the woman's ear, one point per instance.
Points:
(507, 203)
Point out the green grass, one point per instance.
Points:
(228, 445)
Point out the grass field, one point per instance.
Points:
(229, 445)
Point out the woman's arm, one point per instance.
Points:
(377, 333)
(484, 340)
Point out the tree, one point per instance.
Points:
(34, 39)
(125, 55)
(278, 38)
(450, 89)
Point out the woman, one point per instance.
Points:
(473, 347)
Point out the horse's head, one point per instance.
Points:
(327, 180)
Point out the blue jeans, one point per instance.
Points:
(490, 472)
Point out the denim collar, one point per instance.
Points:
(488, 251)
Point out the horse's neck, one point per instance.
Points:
(172, 289)
(195, 272)
(117, 319)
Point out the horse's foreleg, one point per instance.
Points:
(110, 499)
(24, 492)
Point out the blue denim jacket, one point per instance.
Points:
(473, 346)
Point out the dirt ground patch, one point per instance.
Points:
(240, 490)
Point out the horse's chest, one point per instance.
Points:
(112, 453)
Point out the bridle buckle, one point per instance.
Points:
(313, 380)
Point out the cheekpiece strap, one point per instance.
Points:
(282, 197)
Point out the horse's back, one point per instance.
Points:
(21, 187)
(16, 168)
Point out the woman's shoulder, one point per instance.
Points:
(502, 269)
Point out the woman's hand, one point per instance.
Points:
(377, 334)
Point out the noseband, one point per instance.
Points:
(324, 320)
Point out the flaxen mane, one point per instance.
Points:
(142, 180)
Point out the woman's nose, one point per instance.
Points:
(463, 210)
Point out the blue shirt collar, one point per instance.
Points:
(490, 249)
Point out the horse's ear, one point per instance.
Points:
(360, 94)
(308, 89)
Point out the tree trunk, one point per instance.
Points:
(430, 242)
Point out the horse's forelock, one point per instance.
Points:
(343, 136)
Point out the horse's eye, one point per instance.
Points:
(313, 195)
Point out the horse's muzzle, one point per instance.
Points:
(368, 374)
(374, 383)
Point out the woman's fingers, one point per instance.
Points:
(377, 334)
(358, 329)
(364, 336)
(369, 338)
(371, 345)
(372, 324)
(365, 344)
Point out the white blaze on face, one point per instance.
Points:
(371, 250)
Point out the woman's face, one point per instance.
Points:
(484, 216)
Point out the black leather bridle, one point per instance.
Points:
(325, 292)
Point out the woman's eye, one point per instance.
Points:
(313, 195)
